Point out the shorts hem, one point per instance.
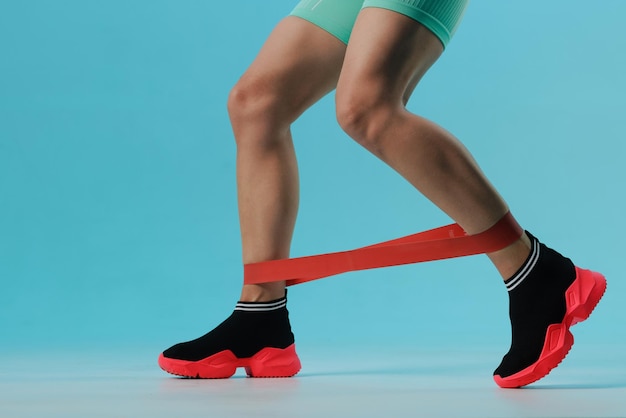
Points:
(429, 21)
(336, 29)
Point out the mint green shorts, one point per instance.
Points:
(337, 17)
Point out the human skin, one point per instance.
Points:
(387, 55)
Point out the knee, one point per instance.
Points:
(251, 99)
(364, 117)
(257, 112)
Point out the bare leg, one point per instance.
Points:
(298, 65)
(387, 55)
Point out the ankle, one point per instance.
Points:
(509, 259)
(262, 292)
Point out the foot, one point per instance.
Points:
(547, 296)
(257, 336)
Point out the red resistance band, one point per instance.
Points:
(436, 244)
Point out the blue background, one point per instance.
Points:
(118, 216)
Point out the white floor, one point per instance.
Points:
(334, 383)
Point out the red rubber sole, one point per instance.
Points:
(581, 298)
(268, 362)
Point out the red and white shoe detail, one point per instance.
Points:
(268, 362)
(581, 298)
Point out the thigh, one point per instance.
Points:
(298, 64)
(388, 53)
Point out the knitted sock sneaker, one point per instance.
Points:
(547, 295)
(256, 336)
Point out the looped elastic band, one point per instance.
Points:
(448, 241)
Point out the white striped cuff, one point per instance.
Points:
(525, 270)
(261, 306)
